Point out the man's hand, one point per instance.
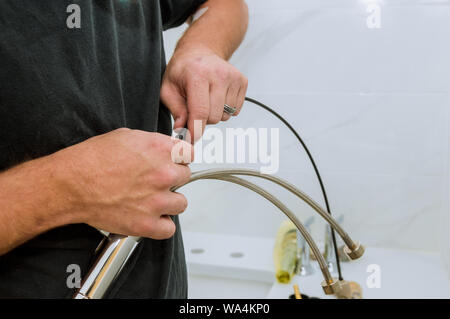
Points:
(197, 84)
(198, 80)
(119, 182)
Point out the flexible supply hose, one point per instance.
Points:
(218, 173)
(288, 213)
(108, 266)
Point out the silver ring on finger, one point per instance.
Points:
(229, 109)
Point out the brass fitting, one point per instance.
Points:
(356, 252)
(349, 290)
(331, 288)
(342, 289)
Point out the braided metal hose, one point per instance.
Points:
(118, 248)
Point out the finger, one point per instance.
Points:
(183, 174)
(182, 152)
(225, 117)
(175, 102)
(231, 99)
(170, 176)
(217, 97)
(241, 95)
(145, 225)
(163, 228)
(177, 203)
(171, 149)
(198, 107)
(176, 175)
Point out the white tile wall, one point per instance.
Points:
(445, 226)
(372, 104)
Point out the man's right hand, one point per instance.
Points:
(121, 182)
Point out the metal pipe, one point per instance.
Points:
(113, 257)
(247, 172)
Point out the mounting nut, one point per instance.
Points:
(331, 288)
(344, 291)
(355, 253)
(349, 290)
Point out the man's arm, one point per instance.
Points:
(198, 80)
(119, 182)
(29, 202)
(221, 27)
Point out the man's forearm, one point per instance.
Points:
(119, 182)
(220, 29)
(30, 202)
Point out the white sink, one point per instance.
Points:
(206, 287)
(224, 266)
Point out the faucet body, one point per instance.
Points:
(114, 254)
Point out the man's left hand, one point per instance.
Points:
(196, 85)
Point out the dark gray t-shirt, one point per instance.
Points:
(60, 86)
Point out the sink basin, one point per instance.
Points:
(224, 266)
(209, 287)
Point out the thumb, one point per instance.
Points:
(175, 102)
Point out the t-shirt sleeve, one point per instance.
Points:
(175, 12)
